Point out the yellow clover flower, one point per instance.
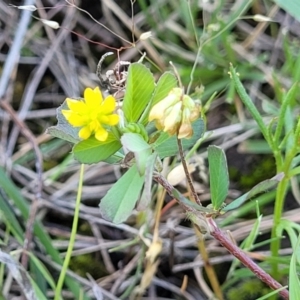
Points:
(91, 114)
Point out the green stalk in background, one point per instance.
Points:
(63, 272)
(284, 145)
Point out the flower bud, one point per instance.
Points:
(188, 102)
(173, 119)
(24, 7)
(185, 129)
(136, 128)
(195, 112)
(261, 18)
(158, 110)
(51, 24)
(146, 35)
(175, 113)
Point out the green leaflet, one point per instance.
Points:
(91, 151)
(117, 205)
(218, 176)
(139, 88)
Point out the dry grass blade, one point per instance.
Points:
(19, 274)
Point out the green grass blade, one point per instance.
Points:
(43, 270)
(294, 282)
(249, 104)
(259, 188)
(10, 218)
(268, 296)
(12, 191)
(290, 96)
(246, 244)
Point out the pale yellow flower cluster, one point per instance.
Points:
(175, 113)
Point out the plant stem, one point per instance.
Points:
(244, 259)
(282, 165)
(275, 244)
(63, 272)
(187, 174)
(200, 218)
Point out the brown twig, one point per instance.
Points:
(169, 188)
(187, 174)
(39, 169)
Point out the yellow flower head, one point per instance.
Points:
(91, 114)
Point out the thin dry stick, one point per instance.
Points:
(105, 255)
(15, 49)
(159, 205)
(210, 271)
(32, 86)
(39, 169)
(183, 161)
(187, 174)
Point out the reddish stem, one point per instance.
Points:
(213, 229)
(168, 206)
(244, 259)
